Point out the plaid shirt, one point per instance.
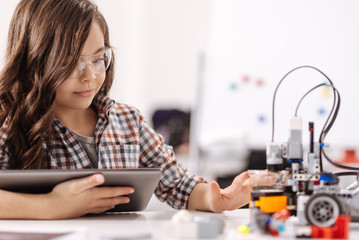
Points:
(123, 140)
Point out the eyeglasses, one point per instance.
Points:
(99, 63)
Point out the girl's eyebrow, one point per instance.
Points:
(96, 52)
(99, 50)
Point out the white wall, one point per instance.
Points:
(6, 10)
(156, 43)
(263, 44)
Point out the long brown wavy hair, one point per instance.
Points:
(43, 34)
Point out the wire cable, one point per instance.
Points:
(280, 82)
(331, 117)
(328, 123)
(333, 114)
(339, 174)
(300, 101)
(338, 164)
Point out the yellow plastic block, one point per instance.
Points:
(243, 228)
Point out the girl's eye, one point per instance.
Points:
(98, 61)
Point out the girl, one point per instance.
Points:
(55, 113)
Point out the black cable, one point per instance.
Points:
(340, 174)
(338, 164)
(326, 129)
(328, 123)
(300, 101)
(332, 115)
(321, 138)
(280, 82)
(336, 106)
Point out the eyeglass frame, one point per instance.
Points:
(81, 67)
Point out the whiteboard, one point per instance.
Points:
(253, 44)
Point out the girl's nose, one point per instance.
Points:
(88, 73)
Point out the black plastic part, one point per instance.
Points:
(274, 167)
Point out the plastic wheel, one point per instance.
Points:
(322, 210)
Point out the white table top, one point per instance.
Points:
(139, 225)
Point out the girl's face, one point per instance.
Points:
(77, 93)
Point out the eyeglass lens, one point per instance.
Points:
(98, 62)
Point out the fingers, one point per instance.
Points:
(240, 181)
(85, 195)
(82, 184)
(241, 178)
(109, 197)
(107, 204)
(247, 183)
(262, 180)
(109, 192)
(269, 181)
(111, 202)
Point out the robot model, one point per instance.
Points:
(309, 193)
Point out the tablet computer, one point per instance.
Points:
(143, 180)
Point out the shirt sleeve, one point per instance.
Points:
(176, 183)
(4, 150)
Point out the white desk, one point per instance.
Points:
(146, 223)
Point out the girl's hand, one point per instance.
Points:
(234, 196)
(237, 194)
(75, 198)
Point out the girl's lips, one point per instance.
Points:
(87, 93)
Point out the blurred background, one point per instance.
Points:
(203, 73)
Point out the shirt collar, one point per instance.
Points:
(102, 103)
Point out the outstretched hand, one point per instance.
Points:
(210, 197)
(234, 196)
